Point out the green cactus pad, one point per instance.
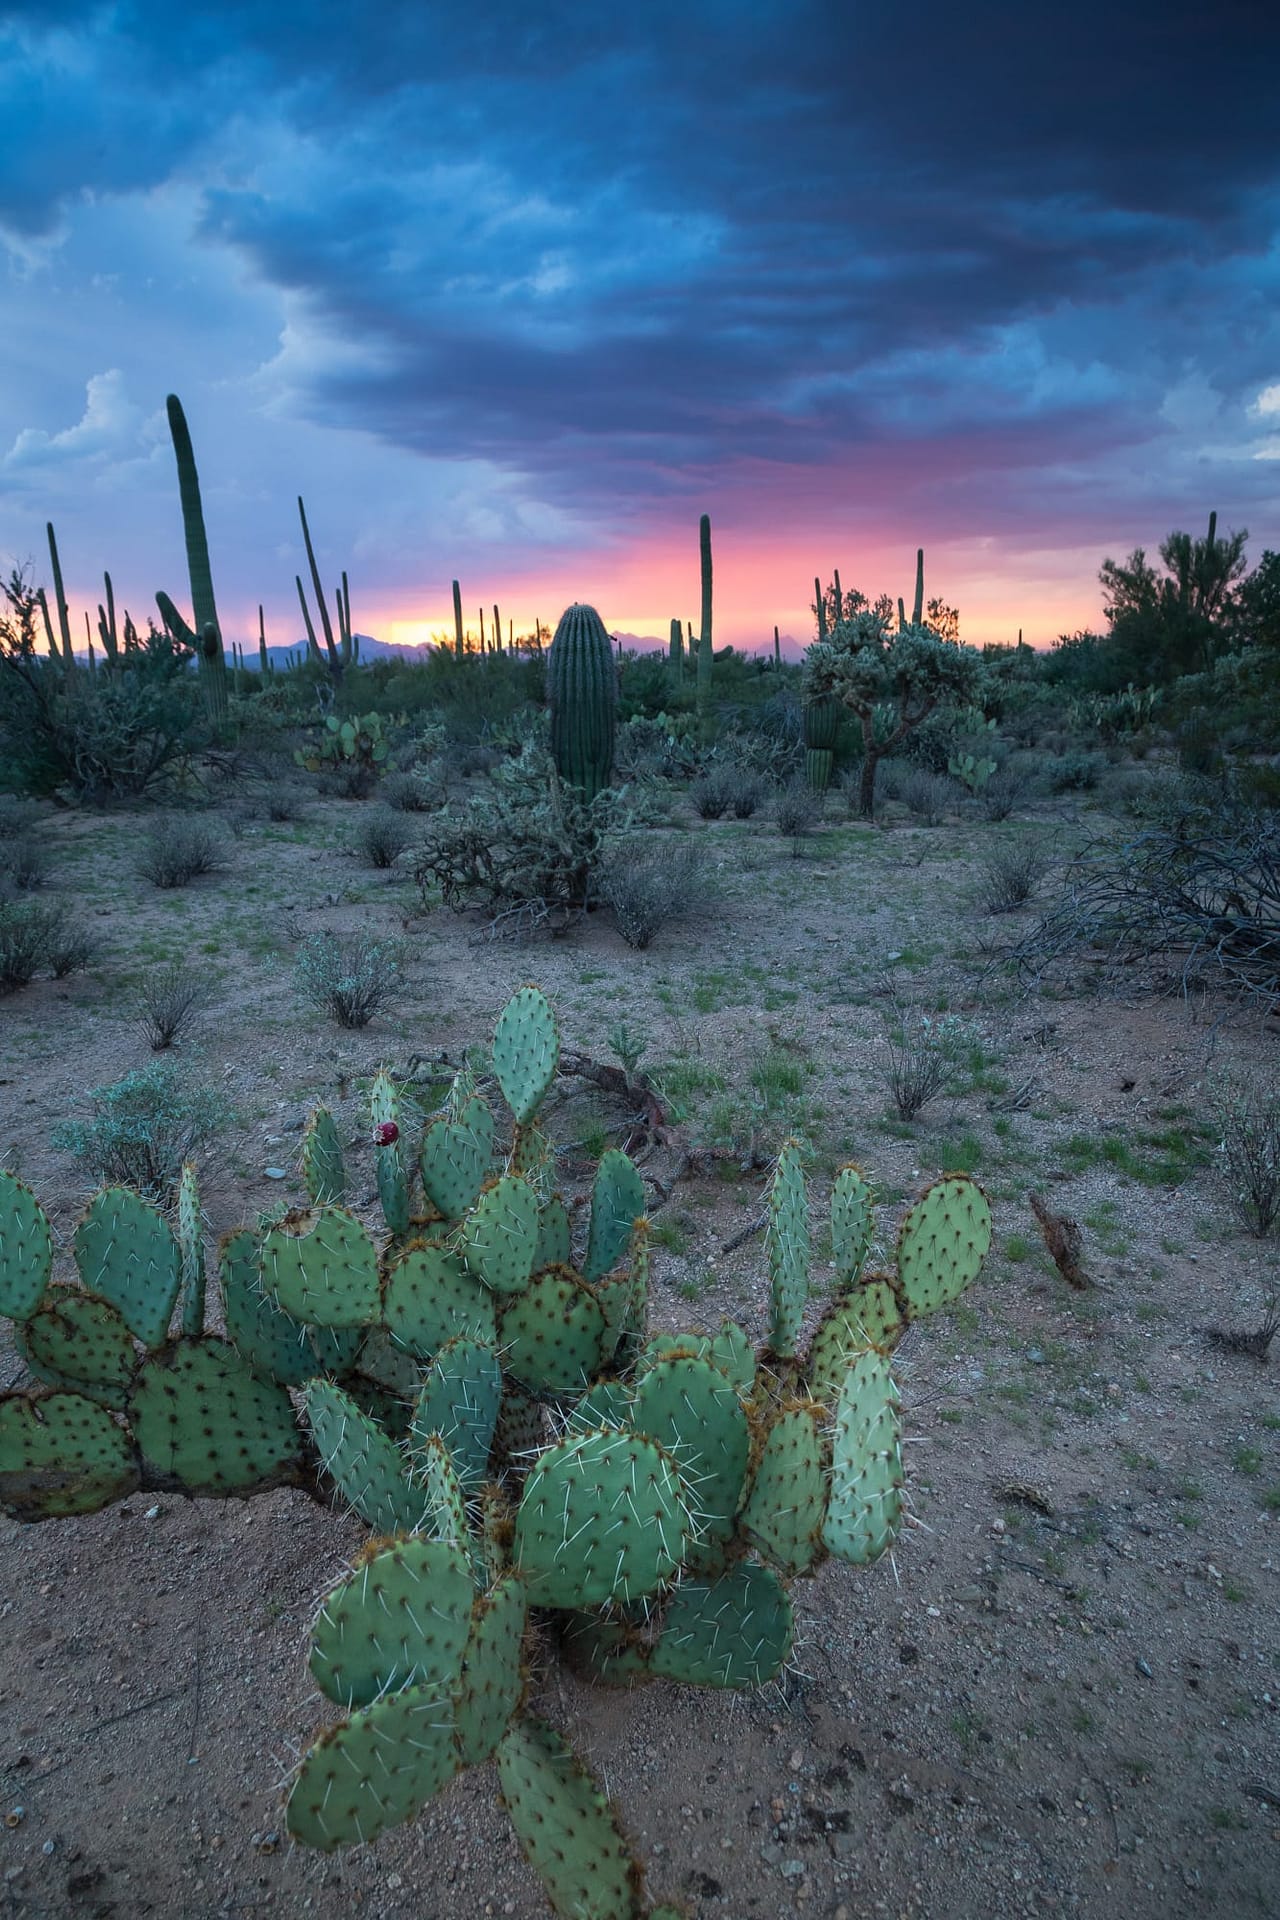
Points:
(322, 1267)
(852, 1223)
(864, 1509)
(322, 1167)
(26, 1248)
(607, 1404)
(735, 1356)
(522, 1427)
(429, 1297)
(607, 1651)
(526, 1050)
(60, 1454)
(554, 1334)
(76, 1340)
(603, 1516)
(565, 1826)
(555, 1240)
(692, 1410)
(379, 1359)
(455, 1159)
(499, 1236)
(489, 1691)
(126, 1253)
(732, 1632)
(787, 1251)
(942, 1244)
(366, 1465)
(374, 1770)
(389, 1161)
(399, 1619)
(869, 1317)
(203, 1418)
(784, 1509)
(272, 1341)
(617, 1202)
(459, 1398)
(533, 1156)
(445, 1506)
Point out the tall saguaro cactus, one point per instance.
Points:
(704, 636)
(917, 610)
(457, 619)
(582, 691)
(675, 647)
(206, 638)
(342, 652)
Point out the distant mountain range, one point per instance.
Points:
(371, 649)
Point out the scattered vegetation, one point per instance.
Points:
(350, 978)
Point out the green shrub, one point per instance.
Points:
(350, 978)
(36, 936)
(178, 850)
(144, 1128)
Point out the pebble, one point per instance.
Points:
(274, 1173)
(1143, 1668)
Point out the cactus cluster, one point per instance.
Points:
(357, 742)
(486, 1395)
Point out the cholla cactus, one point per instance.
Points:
(486, 1396)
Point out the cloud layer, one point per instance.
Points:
(519, 298)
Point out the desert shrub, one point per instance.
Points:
(930, 796)
(180, 849)
(917, 1068)
(527, 849)
(24, 861)
(352, 978)
(1010, 786)
(1249, 1157)
(1010, 874)
(749, 793)
(143, 1128)
(1075, 772)
(413, 791)
(647, 882)
(347, 780)
(38, 936)
(381, 837)
(285, 801)
(797, 811)
(712, 792)
(663, 747)
(168, 1001)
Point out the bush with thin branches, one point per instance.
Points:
(39, 936)
(168, 1001)
(1249, 1158)
(646, 883)
(180, 849)
(350, 978)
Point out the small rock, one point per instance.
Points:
(1143, 1668)
(274, 1173)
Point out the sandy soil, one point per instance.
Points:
(1063, 1694)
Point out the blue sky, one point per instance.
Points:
(515, 294)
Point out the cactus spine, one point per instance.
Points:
(704, 636)
(582, 690)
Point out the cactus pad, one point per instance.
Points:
(526, 1050)
(691, 1409)
(565, 1826)
(553, 1335)
(735, 1356)
(489, 1691)
(617, 1202)
(732, 1632)
(555, 1241)
(942, 1244)
(784, 1509)
(191, 1250)
(864, 1509)
(607, 1651)
(76, 1340)
(400, 1619)
(499, 1236)
(869, 1317)
(366, 1465)
(388, 1153)
(126, 1253)
(374, 1770)
(322, 1267)
(60, 1454)
(202, 1417)
(455, 1159)
(606, 1404)
(26, 1248)
(272, 1341)
(603, 1517)
(444, 1504)
(429, 1297)
(851, 1225)
(787, 1251)
(322, 1168)
(459, 1399)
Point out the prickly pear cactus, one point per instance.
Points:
(477, 1382)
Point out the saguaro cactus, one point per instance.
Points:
(206, 638)
(457, 619)
(704, 636)
(582, 690)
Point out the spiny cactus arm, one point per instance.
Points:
(852, 1223)
(787, 1249)
(26, 1248)
(942, 1244)
(107, 624)
(582, 693)
(526, 1052)
(784, 1510)
(60, 600)
(362, 1460)
(322, 1167)
(864, 1507)
(191, 1249)
(617, 1202)
(734, 1631)
(492, 1682)
(211, 659)
(705, 666)
(322, 1268)
(374, 1770)
(457, 620)
(175, 626)
(917, 607)
(400, 1618)
(78, 1341)
(619, 1499)
(566, 1828)
(313, 645)
(126, 1252)
(389, 1153)
(459, 1398)
(690, 1409)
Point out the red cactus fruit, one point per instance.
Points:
(386, 1135)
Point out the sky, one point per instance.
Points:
(514, 293)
